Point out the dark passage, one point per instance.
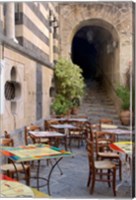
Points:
(88, 47)
(85, 55)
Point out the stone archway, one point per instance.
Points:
(113, 20)
(94, 48)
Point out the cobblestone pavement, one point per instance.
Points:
(72, 184)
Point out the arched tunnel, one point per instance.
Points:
(93, 50)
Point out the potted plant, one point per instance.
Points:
(123, 93)
(69, 84)
(61, 105)
(75, 105)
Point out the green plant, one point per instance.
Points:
(61, 105)
(75, 102)
(69, 79)
(69, 86)
(124, 94)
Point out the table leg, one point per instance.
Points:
(49, 176)
(126, 172)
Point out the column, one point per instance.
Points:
(10, 21)
(51, 44)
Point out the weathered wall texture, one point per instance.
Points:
(28, 48)
(115, 17)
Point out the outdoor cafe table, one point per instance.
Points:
(69, 119)
(35, 152)
(11, 188)
(78, 119)
(116, 130)
(64, 127)
(124, 148)
(45, 134)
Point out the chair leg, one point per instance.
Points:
(114, 181)
(27, 177)
(93, 183)
(109, 178)
(79, 142)
(89, 179)
(120, 170)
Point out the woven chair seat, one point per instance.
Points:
(10, 167)
(104, 164)
(108, 154)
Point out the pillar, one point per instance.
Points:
(10, 21)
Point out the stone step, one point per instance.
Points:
(96, 104)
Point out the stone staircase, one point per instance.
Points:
(96, 104)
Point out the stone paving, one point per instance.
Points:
(72, 184)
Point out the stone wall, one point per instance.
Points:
(26, 103)
(115, 17)
(28, 48)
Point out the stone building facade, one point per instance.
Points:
(28, 49)
(34, 34)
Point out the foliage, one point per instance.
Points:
(76, 102)
(69, 85)
(61, 105)
(69, 79)
(124, 94)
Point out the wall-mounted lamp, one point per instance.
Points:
(52, 20)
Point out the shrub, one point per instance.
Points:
(69, 86)
(124, 94)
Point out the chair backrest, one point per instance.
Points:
(90, 152)
(6, 134)
(87, 127)
(106, 121)
(32, 127)
(7, 142)
(48, 123)
(103, 139)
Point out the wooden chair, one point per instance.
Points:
(105, 121)
(48, 123)
(103, 139)
(79, 133)
(12, 169)
(29, 139)
(103, 171)
(75, 134)
(87, 131)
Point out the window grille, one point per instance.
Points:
(9, 90)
